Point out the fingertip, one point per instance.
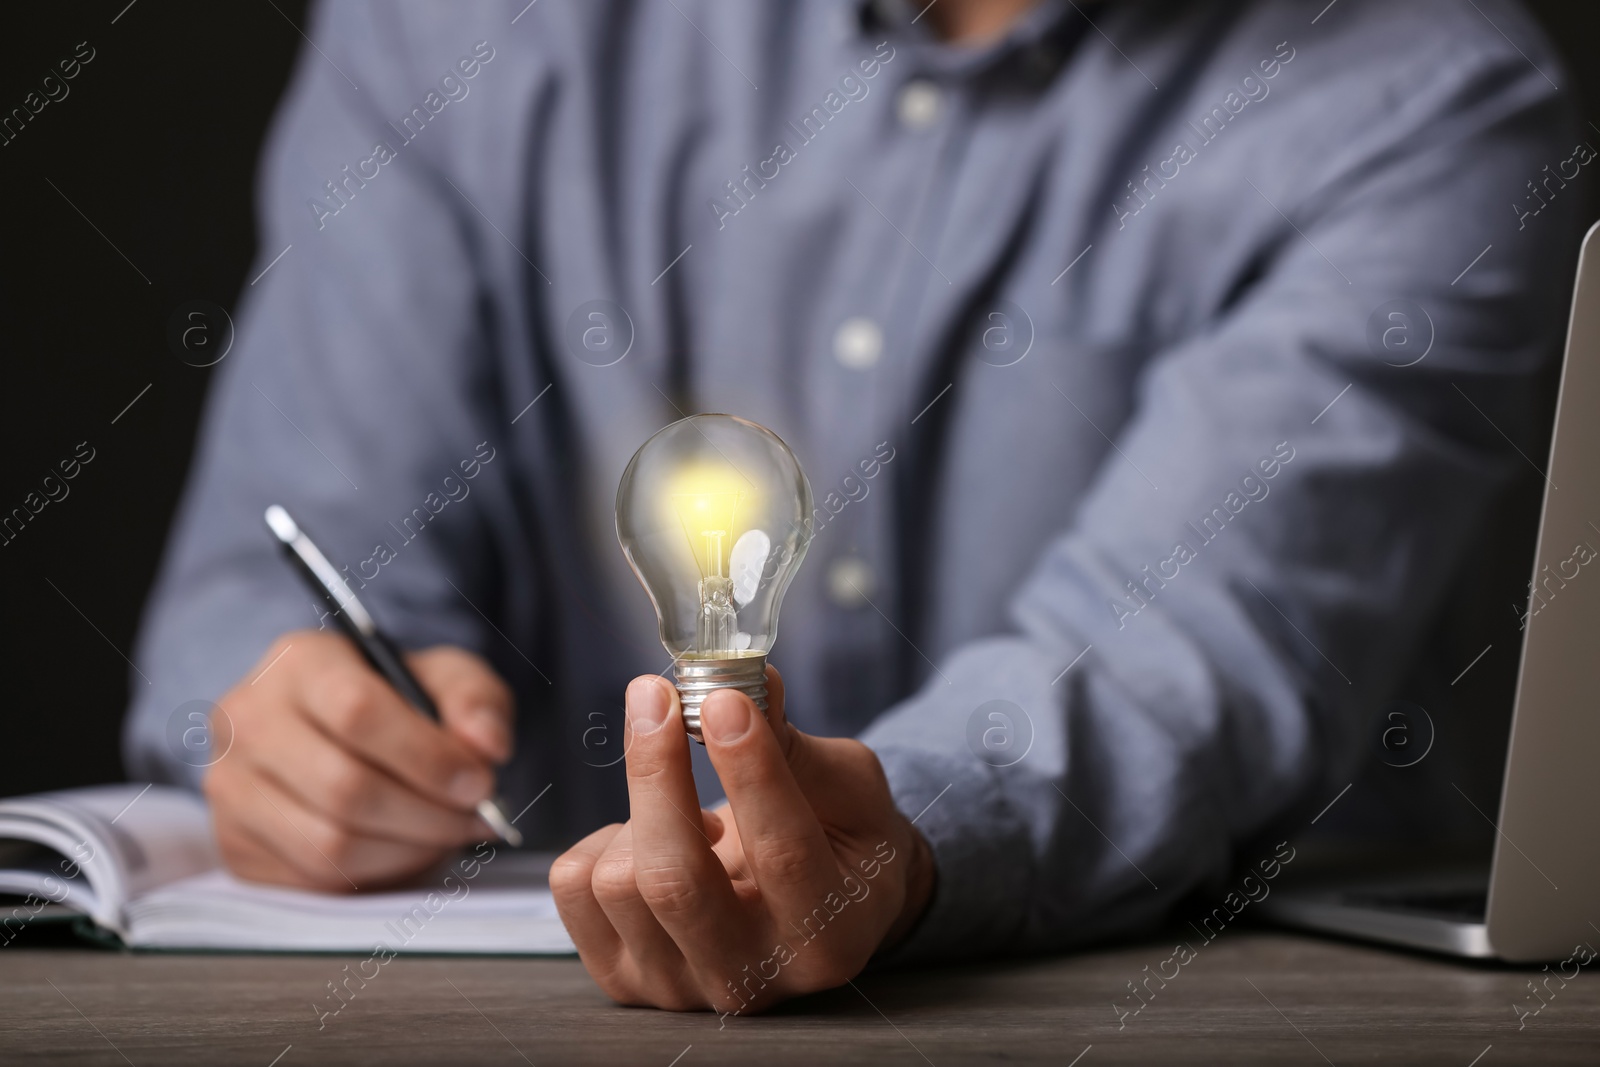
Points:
(726, 717)
(714, 825)
(648, 703)
(643, 682)
(467, 787)
(485, 728)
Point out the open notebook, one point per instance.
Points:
(138, 861)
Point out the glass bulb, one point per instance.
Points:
(714, 516)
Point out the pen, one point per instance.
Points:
(381, 653)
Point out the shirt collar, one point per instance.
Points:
(1040, 37)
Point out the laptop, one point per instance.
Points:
(1540, 895)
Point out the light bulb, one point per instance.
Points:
(714, 516)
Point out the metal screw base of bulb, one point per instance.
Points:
(699, 678)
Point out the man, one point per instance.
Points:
(1082, 320)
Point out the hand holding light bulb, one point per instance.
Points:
(788, 889)
(810, 868)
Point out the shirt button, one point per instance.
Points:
(849, 582)
(918, 105)
(857, 343)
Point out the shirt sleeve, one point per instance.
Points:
(1191, 665)
(360, 393)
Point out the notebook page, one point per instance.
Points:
(112, 842)
(490, 900)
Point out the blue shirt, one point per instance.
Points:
(1136, 502)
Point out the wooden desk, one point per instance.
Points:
(1250, 997)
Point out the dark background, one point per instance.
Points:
(155, 147)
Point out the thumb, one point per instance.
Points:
(474, 703)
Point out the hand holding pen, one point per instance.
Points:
(381, 653)
(321, 775)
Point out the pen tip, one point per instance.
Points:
(490, 812)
